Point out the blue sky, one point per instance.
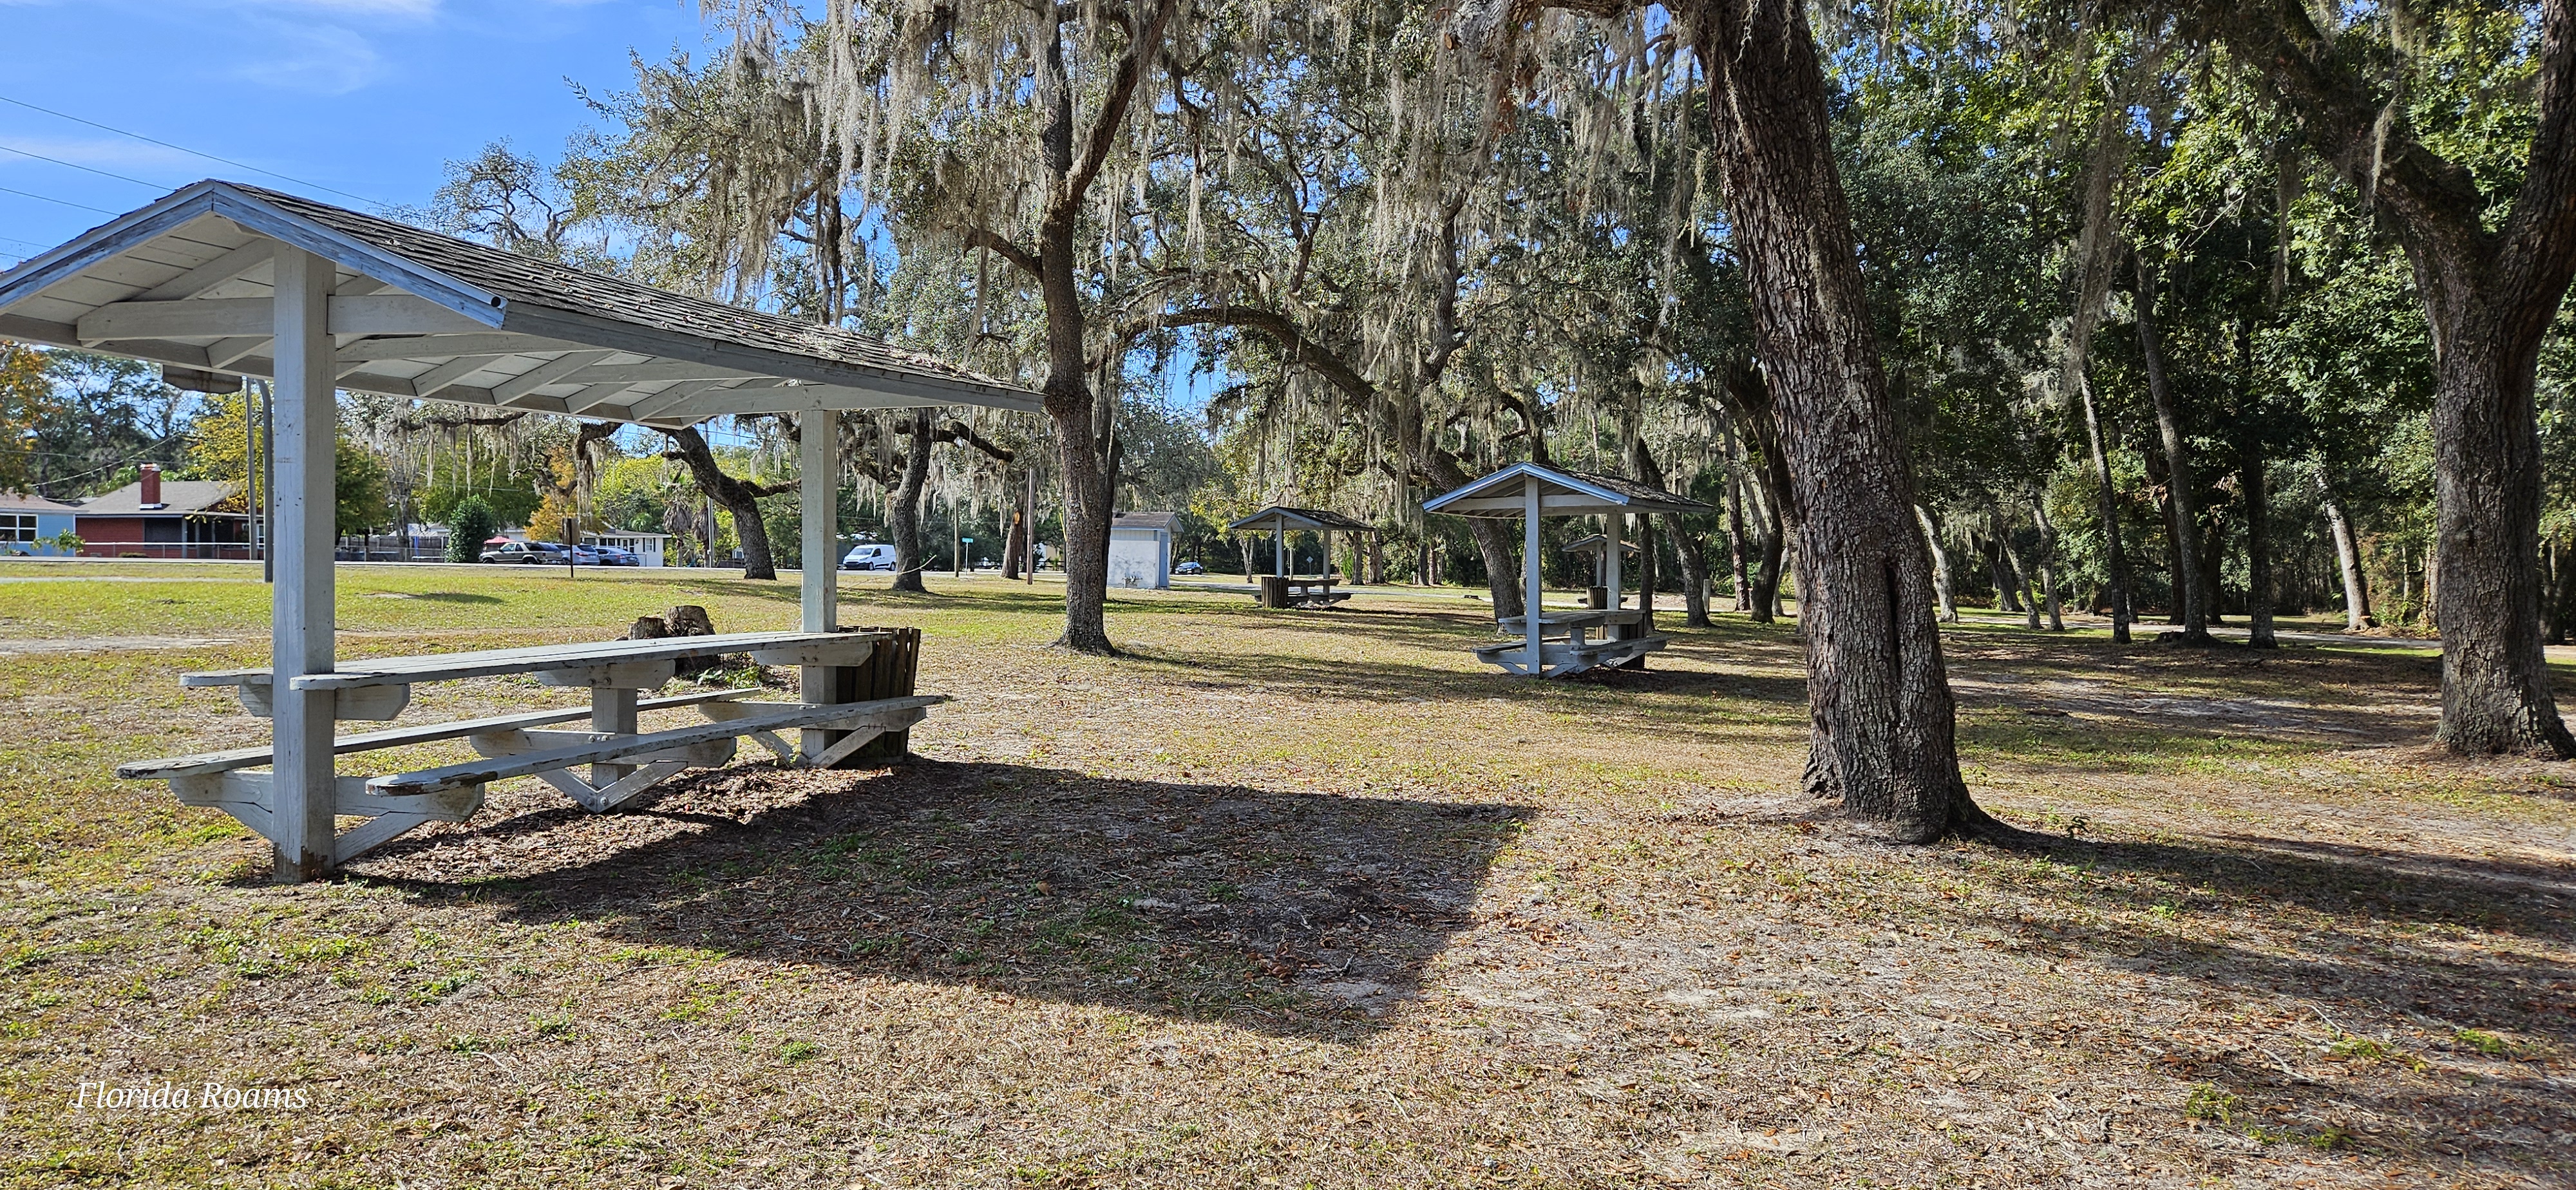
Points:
(371, 97)
(365, 98)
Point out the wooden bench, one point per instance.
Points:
(623, 760)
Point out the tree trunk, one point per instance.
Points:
(741, 497)
(1686, 546)
(1738, 563)
(2121, 585)
(2490, 288)
(2483, 582)
(1942, 591)
(2356, 585)
(2020, 573)
(2047, 560)
(2191, 592)
(1883, 734)
(2258, 548)
(903, 504)
(1997, 550)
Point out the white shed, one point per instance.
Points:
(1140, 549)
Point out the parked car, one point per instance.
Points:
(611, 555)
(1189, 568)
(869, 557)
(508, 551)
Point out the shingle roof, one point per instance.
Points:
(1301, 518)
(31, 502)
(1167, 521)
(543, 283)
(187, 281)
(178, 497)
(1562, 493)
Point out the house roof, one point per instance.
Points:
(31, 502)
(1301, 520)
(1169, 522)
(1561, 493)
(185, 282)
(179, 497)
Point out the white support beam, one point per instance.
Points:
(428, 383)
(818, 457)
(655, 372)
(594, 396)
(215, 272)
(489, 344)
(224, 353)
(818, 460)
(509, 391)
(376, 314)
(665, 402)
(1533, 606)
(303, 806)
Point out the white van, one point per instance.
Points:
(869, 557)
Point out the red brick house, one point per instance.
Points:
(157, 518)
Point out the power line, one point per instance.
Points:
(77, 165)
(191, 152)
(49, 198)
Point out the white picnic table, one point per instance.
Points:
(624, 760)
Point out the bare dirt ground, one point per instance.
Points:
(1311, 900)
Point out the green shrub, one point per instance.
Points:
(468, 527)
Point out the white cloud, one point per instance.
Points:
(320, 59)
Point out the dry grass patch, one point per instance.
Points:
(1311, 900)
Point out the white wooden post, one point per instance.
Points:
(1531, 607)
(818, 457)
(303, 793)
(1611, 571)
(1328, 555)
(1279, 546)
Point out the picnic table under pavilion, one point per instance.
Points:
(1555, 644)
(219, 282)
(1280, 588)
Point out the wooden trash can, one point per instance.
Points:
(891, 671)
(1274, 591)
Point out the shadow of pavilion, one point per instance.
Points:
(1299, 913)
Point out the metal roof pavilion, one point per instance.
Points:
(219, 280)
(1506, 494)
(189, 282)
(1281, 518)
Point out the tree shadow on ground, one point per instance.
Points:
(2386, 952)
(1296, 913)
(2338, 898)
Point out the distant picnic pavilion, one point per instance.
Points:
(1530, 491)
(1280, 588)
(220, 281)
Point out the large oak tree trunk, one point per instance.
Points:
(2496, 694)
(741, 497)
(903, 505)
(1883, 724)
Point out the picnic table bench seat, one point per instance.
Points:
(624, 761)
(1564, 646)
